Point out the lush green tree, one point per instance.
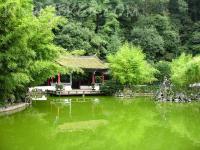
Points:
(129, 66)
(178, 68)
(150, 40)
(164, 70)
(162, 28)
(193, 44)
(193, 70)
(178, 7)
(78, 52)
(160, 22)
(114, 44)
(157, 36)
(96, 25)
(73, 36)
(99, 27)
(185, 70)
(92, 26)
(27, 53)
(194, 6)
(110, 32)
(111, 87)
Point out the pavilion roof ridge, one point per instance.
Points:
(92, 56)
(84, 62)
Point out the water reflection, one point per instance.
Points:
(62, 108)
(183, 119)
(61, 105)
(143, 120)
(103, 123)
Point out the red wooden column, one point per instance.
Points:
(93, 78)
(48, 82)
(58, 78)
(102, 77)
(52, 79)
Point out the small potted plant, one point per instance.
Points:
(59, 87)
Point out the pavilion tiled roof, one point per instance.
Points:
(83, 62)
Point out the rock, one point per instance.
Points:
(166, 93)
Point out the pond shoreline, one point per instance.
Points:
(7, 110)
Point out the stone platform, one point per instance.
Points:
(74, 92)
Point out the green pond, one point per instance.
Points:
(102, 123)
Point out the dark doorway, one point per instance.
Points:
(75, 84)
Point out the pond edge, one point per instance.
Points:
(13, 109)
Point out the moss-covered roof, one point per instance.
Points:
(84, 62)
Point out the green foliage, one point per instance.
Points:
(185, 70)
(92, 26)
(59, 87)
(78, 52)
(150, 40)
(129, 66)
(110, 87)
(163, 28)
(193, 9)
(41, 70)
(178, 69)
(164, 70)
(157, 37)
(41, 36)
(178, 7)
(193, 44)
(27, 53)
(193, 70)
(73, 36)
(159, 22)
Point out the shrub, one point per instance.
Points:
(164, 70)
(59, 87)
(185, 70)
(129, 66)
(110, 87)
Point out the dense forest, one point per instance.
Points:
(163, 28)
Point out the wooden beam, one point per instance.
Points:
(93, 77)
(48, 82)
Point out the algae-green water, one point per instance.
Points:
(102, 123)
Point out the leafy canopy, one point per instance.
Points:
(157, 36)
(164, 70)
(163, 28)
(185, 70)
(27, 52)
(129, 66)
